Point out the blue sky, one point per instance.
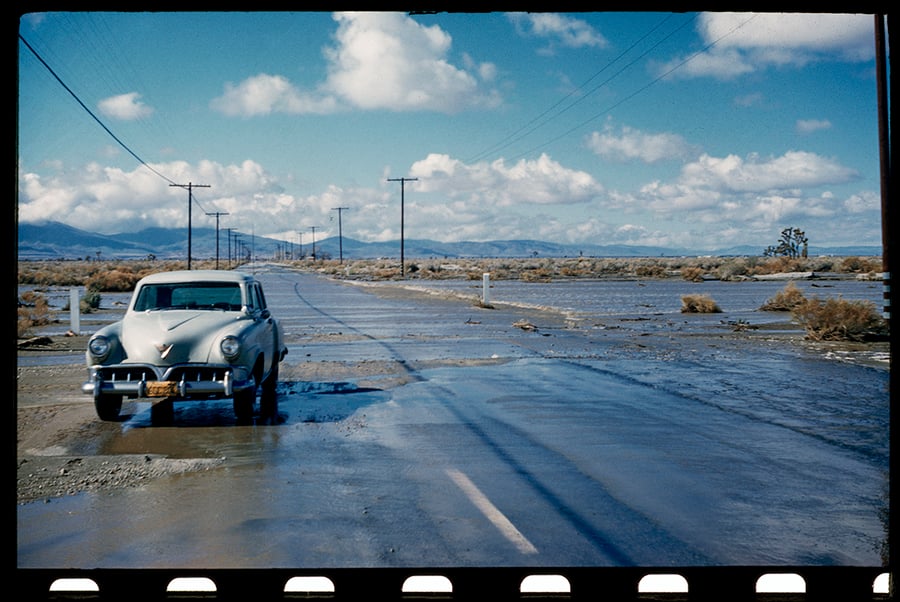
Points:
(681, 130)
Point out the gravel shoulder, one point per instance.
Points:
(59, 438)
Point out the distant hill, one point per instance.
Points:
(54, 240)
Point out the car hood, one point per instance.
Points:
(175, 336)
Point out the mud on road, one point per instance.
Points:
(59, 438)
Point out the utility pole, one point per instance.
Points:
(190, 187)
(238, 247)
(403, 182)
(313, 228)
(228, 234)
(340, 232)
(217, 214)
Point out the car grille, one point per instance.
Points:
(127, 374)
(176, 373)
(196, 374)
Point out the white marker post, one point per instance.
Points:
(486, 289)
(75, 310)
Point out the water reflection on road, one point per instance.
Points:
(603, 440)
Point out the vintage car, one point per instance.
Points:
(189, 335)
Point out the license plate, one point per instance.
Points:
(164, 388)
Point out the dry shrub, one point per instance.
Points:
(699, 304)
(780, 265)
(537, 274)
(692, 273)
(113, 281)
(785, 300)
(735, 268)
(33, 310)
(653, 270)
(861, 265)
(840, 320)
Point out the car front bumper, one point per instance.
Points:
(180, 381)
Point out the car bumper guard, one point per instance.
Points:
(224, 387)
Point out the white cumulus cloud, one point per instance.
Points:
(809, 126)
(264, 94)
(541, 181)
(629, 144)
(125, 107)
(558, 29)
(740, 43)
(379, 61)
(792, 170)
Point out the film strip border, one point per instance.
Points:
(719, 584)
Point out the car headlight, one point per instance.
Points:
(230, 346)
(99, 347)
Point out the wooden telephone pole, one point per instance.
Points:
(190, 187)
(217, 214)
(403, 182)
(340, 210)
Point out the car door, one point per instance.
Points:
(264, 330)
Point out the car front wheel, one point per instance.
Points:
(243, 402)
(108, 406)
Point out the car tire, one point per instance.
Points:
(244, 401)
(108, 406)
(268, 400)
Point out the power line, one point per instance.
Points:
(189, 186)
(89, 112)
(516, 136)
(636, 92)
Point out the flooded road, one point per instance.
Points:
(416, 428)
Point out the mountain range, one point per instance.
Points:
(55, 240)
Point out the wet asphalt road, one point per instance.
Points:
(468, 442)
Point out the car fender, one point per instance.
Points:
(113, 332)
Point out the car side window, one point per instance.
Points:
(262, 297)
(255, 303)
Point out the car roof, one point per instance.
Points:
(196, 276)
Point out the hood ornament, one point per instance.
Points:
(163, 349)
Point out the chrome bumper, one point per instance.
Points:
(121, 382)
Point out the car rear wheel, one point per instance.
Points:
(268, 401)
(108, 406)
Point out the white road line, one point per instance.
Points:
(491, 512)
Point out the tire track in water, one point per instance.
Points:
(600, 540)
(394, 354)
(868, 452)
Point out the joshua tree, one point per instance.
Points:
(793, 244)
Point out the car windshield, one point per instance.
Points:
(225, 296)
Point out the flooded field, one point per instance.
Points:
(589, 299)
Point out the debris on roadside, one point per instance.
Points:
(38, 341)
(525, 325)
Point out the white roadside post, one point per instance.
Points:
(486, 289)
(74, 310)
